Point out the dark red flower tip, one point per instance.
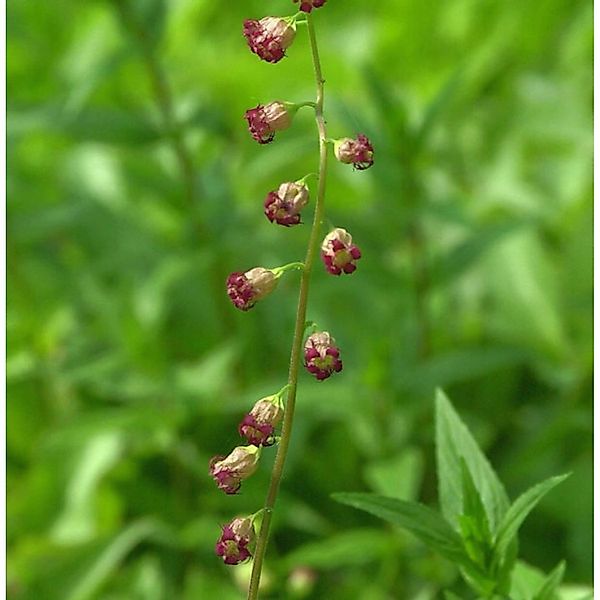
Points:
(284, 205)
(264, 121)
(321, 356)
(308, 5)
(338, 253)
(235, 538)
(245, 289)
(358, 152)
(259, 434)
(259, 424)
(269, 38)
(229, 471)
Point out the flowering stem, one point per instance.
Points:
(295, 359)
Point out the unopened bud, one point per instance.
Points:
(236, 540)
(259, 424)
(338, 252)
(269, 37)
(284, 205)
(358, 152)
(245, 289)
(229, 471)
(264, 121)
(321, 355)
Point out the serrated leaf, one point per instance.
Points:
(454, 443)
(423, 522)
(518, 512)
(551, 583)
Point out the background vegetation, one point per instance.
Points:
(134, 190)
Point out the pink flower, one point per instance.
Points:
(246, 289)
(235, 538)
(308, 5)
(269, 37)
(338, 252)
(264, 121)
(284, 205)
(259, 424)
(321, 355)
(358, 152)
(229, 471)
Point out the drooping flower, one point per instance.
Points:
(264, 121)
(235, 540)
(259, 424)
(358, 152)
(284, 205)
(229, 471)
(270, 37)
(246, 289)
(321, 355)
(338, 252)
(308, 5)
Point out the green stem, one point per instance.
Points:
(296, 354)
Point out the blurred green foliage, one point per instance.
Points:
(134, 189)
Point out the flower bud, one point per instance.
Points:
(321, 356)
(358, 152)
(269, 37)
(235, 538)
(264, 121)
(308, 5)
(230, 471)
(284, 205)
(338, 252)
(245, 289)
(259, 424)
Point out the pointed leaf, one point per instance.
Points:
(473, 521)
(517, 513)
(453, 443)
(421, 521)
(551, 583)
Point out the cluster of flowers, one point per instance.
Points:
(269, 38)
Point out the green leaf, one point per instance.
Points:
(421, 521)
(473, 521)
(455, 443)
(551, 583)
(519, 510)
